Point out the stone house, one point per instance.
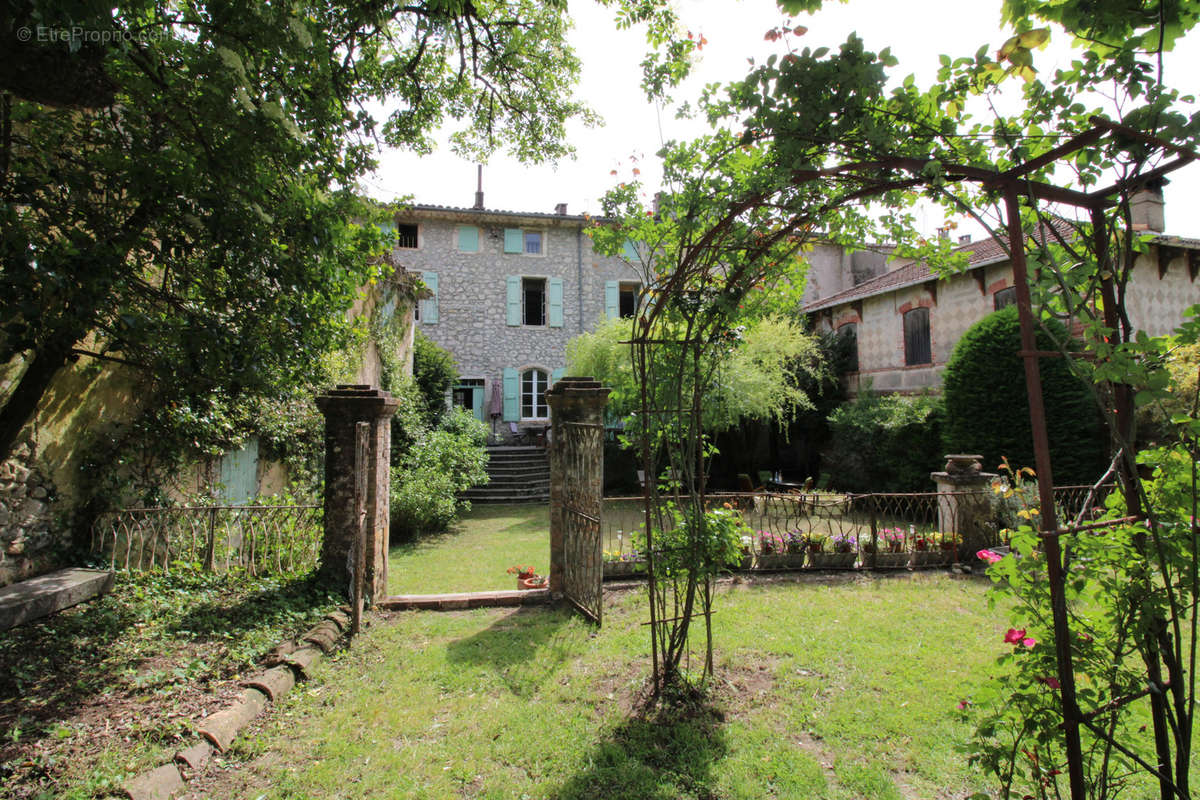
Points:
(508, 290)
(907, 320)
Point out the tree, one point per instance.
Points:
(987, 411)
(184, 202)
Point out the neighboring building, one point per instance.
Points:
(509, 290)
(907, 320)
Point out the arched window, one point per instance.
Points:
(917, 348)
(534, 383)
(1004, 298)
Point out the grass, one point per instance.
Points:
(474, 554)
(835, 688)
(92, 695)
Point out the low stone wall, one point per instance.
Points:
(27, 530)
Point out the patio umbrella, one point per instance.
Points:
(497, 404)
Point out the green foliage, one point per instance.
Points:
(699, 546)
(987, 411)
(435, 372)
(760, 368)
(885, 443)
(139, 660)
(432, 466)
(186, 204)
(1119, 584)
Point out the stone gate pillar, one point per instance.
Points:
(573, 401)
(967, 511)
(343, 408)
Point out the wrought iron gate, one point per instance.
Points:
(581, 456)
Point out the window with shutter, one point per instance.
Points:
(513, 241)
(627, 299)
(468, 239)
(534, 383)
(917, 348)
(533, 299)
(554, 302)
(612, 302)
(429, 307)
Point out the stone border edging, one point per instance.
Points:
(287, 663)
(459, 600)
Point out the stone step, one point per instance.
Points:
(46, 594)
(518, 477)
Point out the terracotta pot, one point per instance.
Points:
(533, 582)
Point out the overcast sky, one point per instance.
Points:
(916, 33)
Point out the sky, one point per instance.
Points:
(635, 128)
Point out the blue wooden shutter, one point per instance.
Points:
(514, 241)
(556, 303)
(429, 308)
(557, 375)
(629, 251)
(513, 287)
(468, 238)
(512, 396)
(612, 299)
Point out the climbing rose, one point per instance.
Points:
(988, 556)
(1014, 636)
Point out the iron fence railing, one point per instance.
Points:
(259, 539)
(843, 531)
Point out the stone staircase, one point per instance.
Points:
(518, 475)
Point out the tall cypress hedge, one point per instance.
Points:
(987, 410)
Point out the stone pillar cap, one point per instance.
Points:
(577, 384)
(357, 394)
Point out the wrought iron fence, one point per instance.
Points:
(259, 539)
(832, 530)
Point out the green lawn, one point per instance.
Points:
(474, 554)
(827, 688)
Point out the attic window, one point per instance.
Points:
(406, 236)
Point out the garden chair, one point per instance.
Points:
(519, 436)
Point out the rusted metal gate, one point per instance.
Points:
(583, 567)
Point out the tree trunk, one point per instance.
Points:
(23, 401)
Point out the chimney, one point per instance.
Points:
(561, 209)
(964, 238)
(944, 233)
(479, 190)
(1146, 208)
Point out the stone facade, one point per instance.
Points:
(27, 543)
(469, 313)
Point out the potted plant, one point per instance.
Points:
(890, 552)
(927, 550)
(772, 551)
(523, 572)
(619, 564)
(842, 551)
(535, 582)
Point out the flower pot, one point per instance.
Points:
(533, 583)
(831, 560)
(624, 569)
(890, 560)
(929, 558)
(780, 561)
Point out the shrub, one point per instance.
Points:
(435, 372)
(435, 464)
(987, 411)
(885, 443)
